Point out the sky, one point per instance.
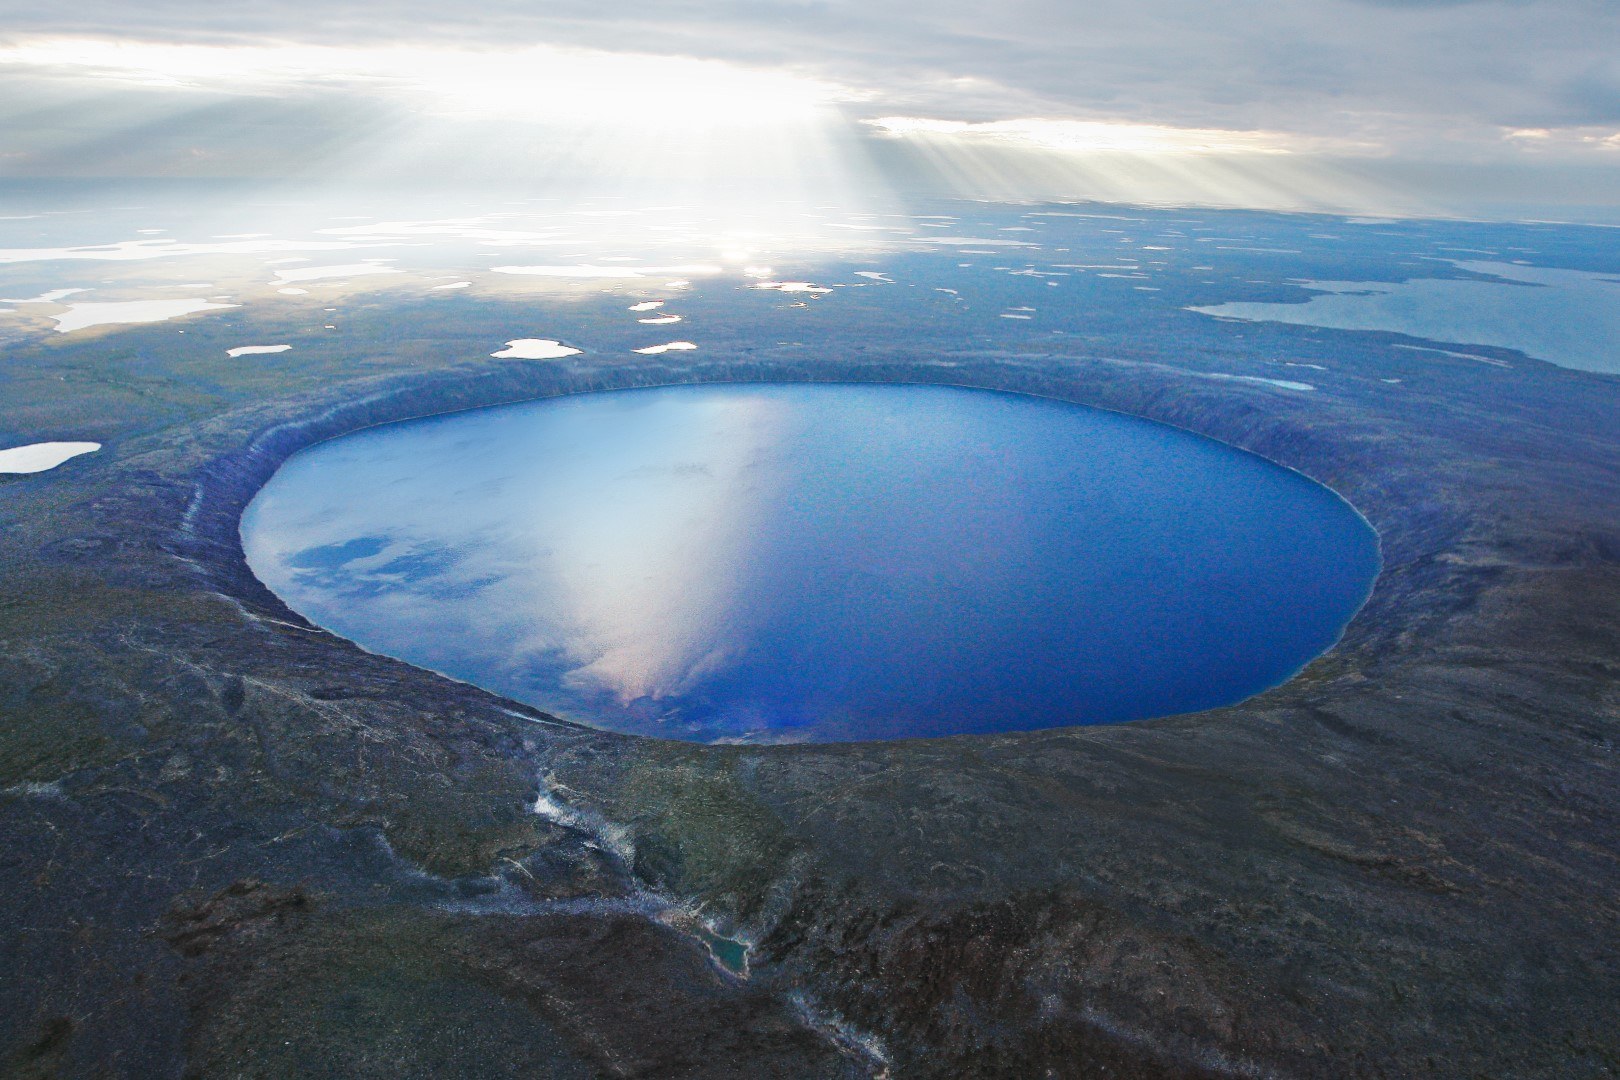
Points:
(1473, 107)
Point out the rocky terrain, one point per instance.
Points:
(239, 846)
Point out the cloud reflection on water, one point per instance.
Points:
(822, 562)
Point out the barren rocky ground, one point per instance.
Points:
(236, 845)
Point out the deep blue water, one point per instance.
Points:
(817, 562)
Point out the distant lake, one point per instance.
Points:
(816, 562)
(1567, 317)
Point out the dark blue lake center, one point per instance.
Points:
(817, 562)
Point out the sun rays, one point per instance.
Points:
(744, 148)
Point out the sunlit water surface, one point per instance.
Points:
(816, 562)
(1567, 317)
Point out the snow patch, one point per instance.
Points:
(39, 457)
(534, 349)
(809, 287)
(81, 316)
(347, 270)
(1284, 383)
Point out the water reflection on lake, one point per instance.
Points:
(816, 562)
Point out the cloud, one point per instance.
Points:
(1091, 137)
(84, 86)
(1328, 67)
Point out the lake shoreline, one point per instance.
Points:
(1290, 786)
